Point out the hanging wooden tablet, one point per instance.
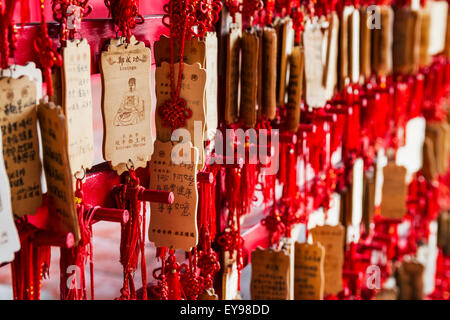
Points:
(58, 174)
(438, 26)
(232, 75)
(435, 133)
(286, 41)
(174, 225)
(77, 104)
(429, 160)
(382, 42)
(9, 238)
(365, 41)
(309, 271)
(344, 65)
(295, 89)
(270, 275)
(126, 104)
(405, 47)
(394, 191)
(35, 74)
(249, 78)
(445, 146)
(332, 239)
(330, 71)
(18, 120)
(444, 232)
(193, 92)
(368, 199)
(353, 37)
(425, 23)
(410, 280)
(194, 51)
(211, 47)
(269, 72)
(259, 88)
(313, 48)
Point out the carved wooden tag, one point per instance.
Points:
(410, 280)
(443, 239)
(232, 76)
(425, 21)
(249, 78)
(438, 26)
(394, 191)
(57, 168)
(382, 42)
(353, 34)
(269, 72)
(174, 225)
(330, 71)
(18, 121)
(309, 271)
(429, 161)
(16, 71)
(295, 89)
(211, 67)
(406, 35)
(313, 42)
(368, 199)
(194, 51)
(193, 92)
(126, 105)
(287, 43)
(270, 275)
(365, 42)
(344, 65)
(9, 238)
(332, 239)
(77, 104)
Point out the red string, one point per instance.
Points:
(65, 9)
(125, 16)
(6, 25)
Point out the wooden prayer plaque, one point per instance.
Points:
(232, 76)
(211, 47)
(270, 275)
(332, 239)
(309, 271)
(18, 121)
(77, 104)
(382, 42)
(394, 191)
(330, 71)
(249, 78)
(194, 51)
(174, 225)
(410, 280)
(365, 42)
(57, 168)
(286, 42)
(126, 104)
(269, 72)
(295, 89)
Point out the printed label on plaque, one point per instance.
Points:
(193, 92)
(126, 105)
(174, 225)
(232, 76)
(57, 168)
(309, 276)
(332, 239)
(18, 122)
(394, 192)
(9, 238)
(77, 104)
(270, 275)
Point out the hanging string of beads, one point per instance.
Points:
(47, 54)
(125, 16)
(69, 14)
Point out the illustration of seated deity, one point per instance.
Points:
(131, 110)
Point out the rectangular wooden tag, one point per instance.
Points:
(309, 271)
(365, 41)
(232, 75)
(425, 22)
(126, 104)
(406, 33)
(295, 89)
(249, 78)
(174, 225)
(18, 121)
(77, 104)
(382, 42)
(344, 65)
(269, 73)
(330, 71)
(429, 161)
(438, 26)
(332, 239)
(211, 48)
(193, 92)
(410, 280)
(270, 275)
(286, 44)
(58, 174)
(394, 191)
(353, 34)
(9, 238)
(194, 51)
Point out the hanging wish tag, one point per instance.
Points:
(58, 174)
(173, 167)
(309, 277)
(77, 104)
(270, 275)
(232, 75)
(9, 238)
(365, 41)
(410, 280)
(18, 120)
(16, 71)
(332, 239)
(269, 72)
(406, 33)
(295, 89)
(211, 46)
(126, 104)
(438, 26)
(249, 78)
(353, 35)
(287, 36)
(394, 191)
(330, 70)
(382, 41)
(193, 92)
(194, 51)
